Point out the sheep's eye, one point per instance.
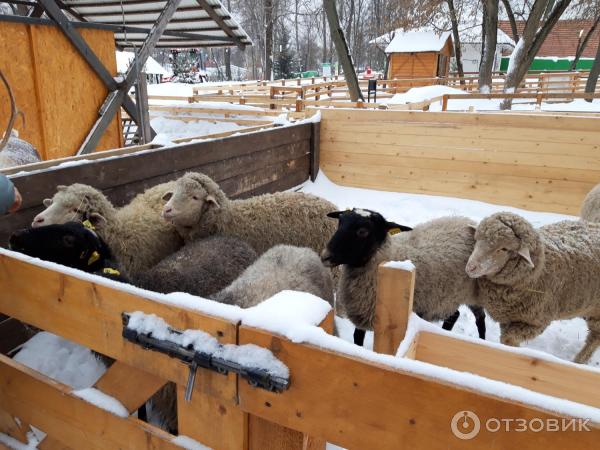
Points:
(195, 197)
(362, 232)
(503, 249)
(75, 210)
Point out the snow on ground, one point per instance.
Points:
(420, 94)
(169, 129)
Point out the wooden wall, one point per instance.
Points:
(413, 65)
(542, 163)
(57, 91)
(243, 165)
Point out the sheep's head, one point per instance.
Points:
(359, 235)
(504, 242)
(194, 195)
(70, 244)
(74, 203)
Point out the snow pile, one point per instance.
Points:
(62, 360)
(103, 401)
(188, 443)
(170, 129)
(417, 41)
(152, 66)
(420, 94)
(32, 441)
(162, 139)
(248, 355)
(404, 265)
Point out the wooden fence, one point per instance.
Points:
(333, 396)
(243, 165)
(543, 163)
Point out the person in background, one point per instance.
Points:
(10, 198)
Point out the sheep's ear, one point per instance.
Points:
(47, 202)
(524, 253)
(335, 214)
(212, 200)
(97, 220)
(167, 196)
(61, 187)
(394, 228)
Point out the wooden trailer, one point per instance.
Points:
(337, 392)
(419, 54)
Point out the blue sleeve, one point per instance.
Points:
(7, 194)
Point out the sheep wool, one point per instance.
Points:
(282, 267)
(439, 249)
(137, 235)
(537, 276)
(590, 209)
(199, 208)
(202, 267)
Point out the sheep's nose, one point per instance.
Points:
(471, 268)
(326, 258)
(167, 212)
(37, 221)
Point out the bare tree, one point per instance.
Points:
(535, 32)
(488, 52)
(268, 63)
(341, 47)
(582, 43)
(590, 85)
(456, 35)
(13, 112)
(511, 19)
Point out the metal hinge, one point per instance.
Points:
(256, 376)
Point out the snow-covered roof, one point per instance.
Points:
(417, 41)
(152, 66)
(472, 35)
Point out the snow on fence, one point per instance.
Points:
(541, 163)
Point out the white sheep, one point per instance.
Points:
(199, 208)
(527, 278)
(136, 233)
(439, 249)
(590, 209)
(283, 267)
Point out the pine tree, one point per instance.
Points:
(284, 64)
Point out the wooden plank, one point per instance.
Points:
(395, 288)
(566, 380)
(90, 314)
(384, 408)
(315, 145)
(265, 435)
(216, 423)
(131, 386)
(51, 443)
(109, 173)
(13, 428)
(52, 407)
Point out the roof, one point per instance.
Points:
(417, 41)
(472, 35)
(152, 66)
(196, 23)
(562, 40)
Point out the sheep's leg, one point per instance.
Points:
(479, 314)
(592, 341)
(359, 336)
(451, 320)
(513, 333)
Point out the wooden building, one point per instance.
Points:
(419, 54)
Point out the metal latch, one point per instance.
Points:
(256, 376)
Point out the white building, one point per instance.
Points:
(470, 45)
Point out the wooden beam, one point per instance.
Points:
(395, 289)
(221, 22)
(52, 407)
(131, 386)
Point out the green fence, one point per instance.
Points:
(552, 64)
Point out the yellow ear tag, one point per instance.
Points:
(393, 231)
(95, 257)
(110, 271)
(88, 225)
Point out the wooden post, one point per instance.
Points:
(141, 98)
(395, 287)
(445, 102)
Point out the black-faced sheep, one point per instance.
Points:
(527, 278)
(70, 244)
(201, 267)
(282, 267)
(136, 234)
(199, 208)
(439, 249)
